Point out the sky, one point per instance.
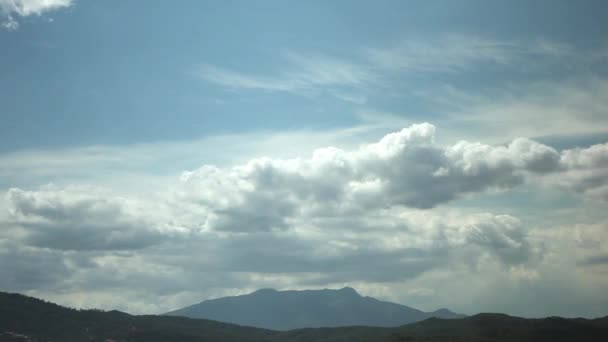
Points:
(454, 154)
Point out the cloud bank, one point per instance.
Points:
(374, 217)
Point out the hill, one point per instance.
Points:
(24, 318)
(286, 310)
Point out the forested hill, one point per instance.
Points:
(24, 318)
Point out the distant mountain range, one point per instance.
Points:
(286, 310)
(27, 319)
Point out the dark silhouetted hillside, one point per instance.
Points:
(285, 310)
(42, 321)
(24, 318)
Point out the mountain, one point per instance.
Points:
(29, 319)
(285, 310)
(25, 318)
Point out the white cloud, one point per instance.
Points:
(376, 71)
(405, 168)
(503, 235)
(78, 218)
(32, 7)
(541, 109)
(374, 246)
(308, 72)
(304, 74)
(341, 216)
(585, 171)
(447, 53)
(24, 8)
(457, 52)
(141, 167)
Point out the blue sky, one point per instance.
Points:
(207, 125)
(115, 72)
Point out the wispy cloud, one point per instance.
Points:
(303, 73)
(10, 9)
(574, 107)
(462, 52)
(447, 53)
(372, 70)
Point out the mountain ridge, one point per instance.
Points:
(296, 309)
(24, 318)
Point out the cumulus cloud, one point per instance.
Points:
(405, 168)
(502, 235)
(79, 219)
(24, 268)
(379, 246)
(364, 216)
(585, 171)
(9, 9)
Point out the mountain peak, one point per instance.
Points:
(443, 311)
(349, 291)
(293, 309)
(264, 291)
(446, 314)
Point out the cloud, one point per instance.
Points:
(584, 171)
(383, 247)
(338, 216)
(374, 247)
(502, 235)
(372, 216)
(309, 72)
(141, 167)
(304, 74)
(405, 168)
(458, 52)
(24, 268)
(80, 219)
(421, 292)
(447, 53)
(24, 8)
(377, 71)
(595, 260)
(544, 110)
